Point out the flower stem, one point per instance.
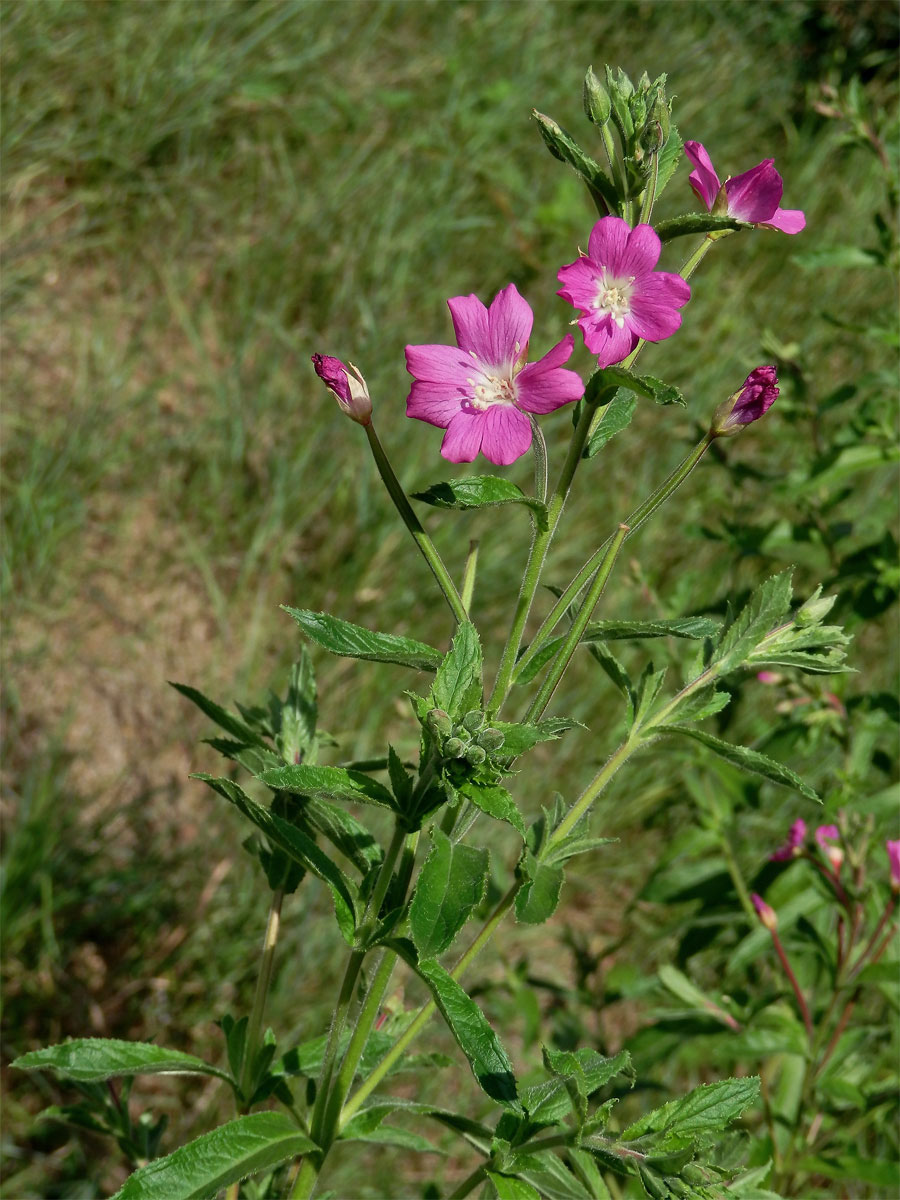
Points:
(539, 446)
(737, 878)
(421, 538)
(263, 982)
(469, 1184)
(792, 979)
(563, 657)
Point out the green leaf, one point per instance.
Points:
(482, 491)
(199, 1169)
(457, 684)
(768, 605)
(495, 801)
(224, 719)
(489, 1061)
(643, 385)
(353, 641)
(709, 1108)
(690, 223)
(89, 1060)
(328, 782)
(745, 759)
(344, 832)
(538, 897)
(837, 256)
(699, 705)
(879, 1173)
(518, 738)
(508, 1187)
(564, 147)
(449, 887)
(615, 417)
(300, 847)
(648, 687)
(550, 1102)
(669, 160)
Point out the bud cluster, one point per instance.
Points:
(471, 740)
(641, 113)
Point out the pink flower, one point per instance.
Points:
(765, 912)
(753, 197)
(620, 295)
(756, 397)
(893, 853)
(481, 392)
(768, 677)
(348, 389)
(825, 836)
(794, 843)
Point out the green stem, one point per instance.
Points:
(592, 791)
(306, 1179)
(263, 982)
(641, 514)
(569, 646)
(693, 261)
(737, 878)
(421, 538)
(468, 585)
(469, 1184)
(539, 446)
(539, 547)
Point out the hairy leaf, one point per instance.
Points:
(449, 887)
(482, 491)
(89, 1060)
(353, 641)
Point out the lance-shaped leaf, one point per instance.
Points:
(490, 1063)
(691, 223)
(495, 801)
(745, 759)
(510, 1187)
(614, 417)
(449, 887)
(299, 846)
(343, 831)
(90, 1060)
(642, 385)
(198, 1170)
(222, 717)
(517, 738)
(564, 147)
(353, 641)
(709, 1108)
(538, 897)
(330, 783)
(457, 684)
(482, 491)
(550, 1102)
(768, 606)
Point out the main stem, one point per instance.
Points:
(263, 982)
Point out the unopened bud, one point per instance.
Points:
(755, 398)
(473, 721)
(475, 756)
(827, 839)
(439, 722)
(893, 853)
(765, 912)
(816, 608)
(346, 385)
(454, 748)
(491, 739)
(597, 106)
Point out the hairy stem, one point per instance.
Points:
(263, 982)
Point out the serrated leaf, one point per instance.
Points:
(643, 385)
(300, 847)
(518, 738)
(353, 641)
(699, 705)
(496, 802)
(509, 1187)
(647, 690)
(450, 886)
(548, 1103)
(745, 759)
(691, 223)
(222, 717)
(90, 1060)
(768, 606)
(457, 684)
(669, 160)
(482, 491)
(538, 897)
(328, 783)
(615, 416)
(490, 1063)
(198, 1170)
(709, 1108)
(344, 832)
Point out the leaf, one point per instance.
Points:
(300, 847)
(489, 1061)
(90, 1060)
(647, 690)
(457, 684)
(344, 832)
(449, 887)
(199, 1169)
(708, 1108)
(699, 705)
(328, 782)
(353, 641)
(837, 256)
(550, 1102)
(517, 738)
(482, 491)
(767, 606)
(537, 898)
(495, 801)
(222, 717)
(690, 223)
(615, 417)
(745, 759)
(508, 1187)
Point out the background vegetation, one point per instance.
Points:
(200, 195)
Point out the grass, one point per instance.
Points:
(200, 196)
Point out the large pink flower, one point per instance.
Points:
(753, 197)
(481, 391)
(620, 295)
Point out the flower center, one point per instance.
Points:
(612, 299)
(489, 390)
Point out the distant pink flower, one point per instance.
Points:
(756, 397)
(753, 197)
(347, 386)
(826, 836)
(794, 843)
(481, 392)
(768, 677)
(765, 912)
(620, 295)
(893, 853)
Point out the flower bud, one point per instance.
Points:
(893, 853)
(475, 756)
(454, 748)
(826, 838)
(755, 398)
(597, 106)
(491, 739)
(816, 608)
(349, 389)
(439, 722)
(793, 847)
(473, 721)
(765, 912)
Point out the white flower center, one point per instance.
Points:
(613, 298)
(493, 385)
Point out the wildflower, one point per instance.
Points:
(768, 677)
(765, 912)
(794, 843)
(893, 853)
(348, 389)
(482, 392)
(620, 295)
(756, 397)
(753, 197)
(825, 836)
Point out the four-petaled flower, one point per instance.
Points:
(794, 843)
(482, 391)
(620, 295)
(893, 853)
(753, 197)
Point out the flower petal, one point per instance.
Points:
(507, 434)
(581, 280)
(436, 403)
(608, 242)
(786, 220)
(654, 306)
(470, 323)
(543, 386)
(703, 179)
(462, 441)
(439, 364)
(642, 253)
(509, 327)
(606, 339)
(755, 195)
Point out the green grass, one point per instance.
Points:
(199, 196)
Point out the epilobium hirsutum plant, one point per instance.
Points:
(416, 905)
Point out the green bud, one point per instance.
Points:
(490, 739)
(454, 748)
(439, 722)
(473, 721)
(596, 99)
(475, 756)
(816, 608)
